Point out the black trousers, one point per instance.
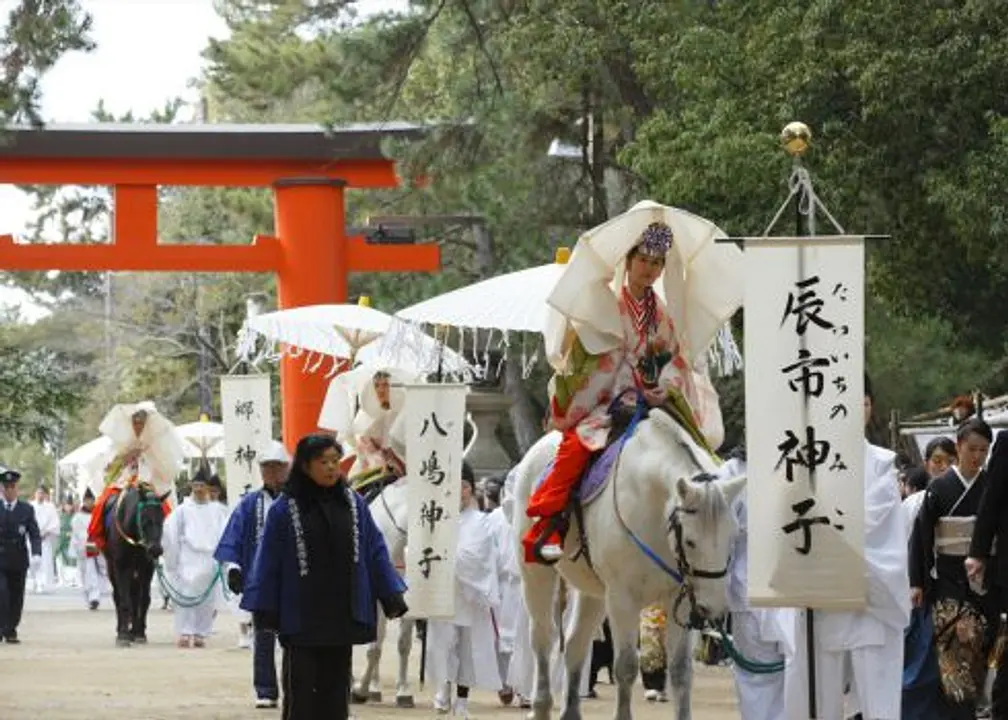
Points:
(12, 588)
(316, 682)
(999, 693)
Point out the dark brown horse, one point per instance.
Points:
(133, 525)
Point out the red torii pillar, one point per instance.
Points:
(308, 168)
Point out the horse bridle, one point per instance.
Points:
(687, 573)
(142, 502)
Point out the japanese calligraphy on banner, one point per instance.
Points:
(434, 417)
(247, 416)
(804, 351)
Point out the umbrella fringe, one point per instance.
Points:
(724, 354)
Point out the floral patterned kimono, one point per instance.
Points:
(580, 400)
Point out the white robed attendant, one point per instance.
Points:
(89, 572)
(509, 579)
(47, 517)
(754, 630)
(462, 651)
(191, 534)
(870, 641)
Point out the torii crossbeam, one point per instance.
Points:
(307, 166)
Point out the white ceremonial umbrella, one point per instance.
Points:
(85, 464)
(702, 283)
(351, 332)
(203, 439)
(162, 446)
(513, 302)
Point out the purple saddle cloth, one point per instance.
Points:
(595, 476)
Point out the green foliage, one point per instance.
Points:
(35, 36)
(40, 388)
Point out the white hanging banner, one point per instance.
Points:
(247, 416)
(804, 391)
(434, 418)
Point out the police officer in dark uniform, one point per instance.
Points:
(17, 529)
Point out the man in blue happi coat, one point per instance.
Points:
(236, 551)
(321, 569)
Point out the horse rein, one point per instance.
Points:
(684, 572)
(388, 510)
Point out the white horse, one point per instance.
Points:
(391, 514)
(660, 498)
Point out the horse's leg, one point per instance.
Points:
(586, 616)
(404, 696)
(679, 655)
(368, 687)
(539, 586)
(142, 601)
(124, 603)
(624, 619)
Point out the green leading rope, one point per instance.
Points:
(180, 599)
(750, 666)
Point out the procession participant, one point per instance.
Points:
(48, 520)
(648, 361)
(236, 552)
(88, 570)
(321, 567)
(191, 534)
(509, 579)
(460, 651)
(912, 486)
(965, 617)
(19, 534)
(760, 696)
(653, 663)
(939, 455)
(869, 641)
(148, 450)
(988, 555)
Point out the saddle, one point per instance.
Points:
(596, 474)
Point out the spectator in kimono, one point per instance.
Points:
(939, 455)
(990, 567)
(461, 651)
(236, 552)
(965, 617)
(321, 567)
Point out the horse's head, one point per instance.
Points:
(700, 524)
(701, 530)
(145, 519)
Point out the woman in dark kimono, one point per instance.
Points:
(964, 615)
(319, 571)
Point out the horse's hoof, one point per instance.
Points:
(358, 697)
(506, 696)
(123, 642)
(140, 639)
(374, 696)
(405, 701)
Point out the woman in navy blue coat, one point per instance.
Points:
(318, 574)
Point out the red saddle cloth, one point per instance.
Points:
(96, 538)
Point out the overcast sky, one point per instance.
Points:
(147, 52)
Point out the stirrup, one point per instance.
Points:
(554, 524)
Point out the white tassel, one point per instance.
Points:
(724, 354)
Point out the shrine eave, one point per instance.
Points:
(198, 141)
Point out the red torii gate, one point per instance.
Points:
(308, 168)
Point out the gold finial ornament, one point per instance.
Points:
(364, 301)
(796, 138)
(562, 256)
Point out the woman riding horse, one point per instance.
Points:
(648, 363)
